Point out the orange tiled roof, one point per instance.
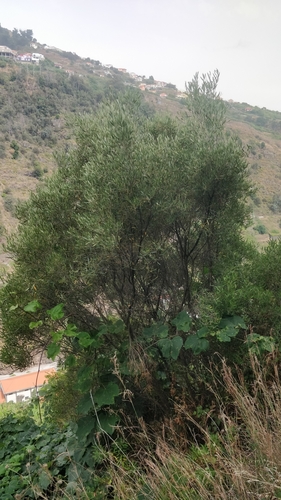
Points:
(23, 382)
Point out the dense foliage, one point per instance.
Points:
(138, 220)
(41, 460)
(16, 39)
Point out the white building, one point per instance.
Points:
(36, 58)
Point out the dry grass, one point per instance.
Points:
(241, 462)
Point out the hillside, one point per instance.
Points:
(38, 101)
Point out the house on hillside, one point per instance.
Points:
(36, 58)
(22, 386)
(159, 84)
(123, 70)
(24, 57)
(7, 52)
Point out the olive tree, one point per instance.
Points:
(141, 216)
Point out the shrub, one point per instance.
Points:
(37, 172)
(16, 148)
(10, 204)
(260, 228)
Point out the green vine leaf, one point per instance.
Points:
(203, 332)
(197, 344)
(44, 480)
(57, 336)
(259, 343)
(70, 331)
(229, 328)
(106, 395)
(170, 348)
(85, 340)
(227, 334)
(32, 306)
(107, 422)
(158, 330)
(35, 324)
(84, 426)
(182, 322)
(85, 404)
(56, 312)
(176, 345)
(232, 321)
(53, 350)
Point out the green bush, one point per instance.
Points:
(14, 145)
(260, 228)
(40, 460)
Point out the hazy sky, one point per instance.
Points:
(169, 39)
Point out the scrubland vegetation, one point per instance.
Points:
(130, 267)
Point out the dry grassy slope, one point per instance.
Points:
(14, 179)
(265, 173)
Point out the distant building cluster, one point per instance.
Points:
(96, 67)
(33, 57)
(152, 86)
